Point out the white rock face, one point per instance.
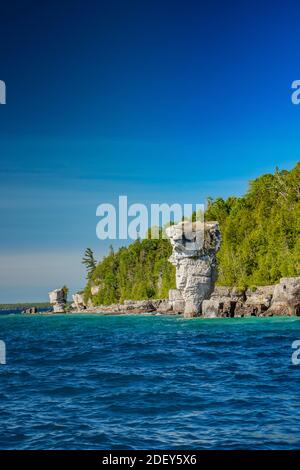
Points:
(195, 245)
(58, 300)
(78, 301)
(95, 290)
(174, 294)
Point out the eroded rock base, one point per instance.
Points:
(282, 299)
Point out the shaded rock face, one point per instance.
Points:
(194, 255)
(58, 300)
(256, 302)
(286, 297)
(280, 299)
(223, 302)
(141, 306)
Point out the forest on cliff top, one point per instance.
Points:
(260, 244)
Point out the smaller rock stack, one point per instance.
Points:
(30, 310)
(176, 301)
(58, 299)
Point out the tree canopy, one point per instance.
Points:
(139, 271)
(260, 231)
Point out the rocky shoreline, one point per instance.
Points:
(195, 246)
(282, 299)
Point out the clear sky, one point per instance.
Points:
(162, 101)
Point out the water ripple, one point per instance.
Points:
(129, 382)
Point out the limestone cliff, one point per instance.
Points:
(282, 299)
(286, 297)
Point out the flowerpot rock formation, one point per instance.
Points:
(195, 245)
(58, 299)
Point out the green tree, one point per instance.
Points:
(65, 290)
(260, 231)
(89, 261)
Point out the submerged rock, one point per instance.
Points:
(195, 245)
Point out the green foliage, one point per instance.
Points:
(139, 271)
(66, 290)
(260, 231)
(260, 244)
(22, 306)
(89, 261)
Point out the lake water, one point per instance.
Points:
(148, 382)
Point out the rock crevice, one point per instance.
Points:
(282, 299)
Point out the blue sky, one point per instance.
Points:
(162, 101)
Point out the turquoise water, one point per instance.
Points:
(144, 382)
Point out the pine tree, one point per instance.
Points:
(89, 261)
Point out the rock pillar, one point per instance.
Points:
(195, 245)
(58, 299)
